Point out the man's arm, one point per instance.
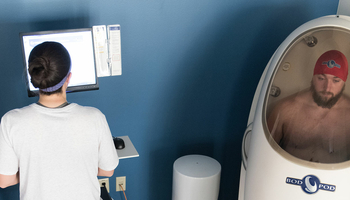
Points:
(8, 180)
(102, 172)
(275, 124)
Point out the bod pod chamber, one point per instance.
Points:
(297, 143)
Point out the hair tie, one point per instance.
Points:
(57, 86)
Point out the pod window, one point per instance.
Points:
(308, 104)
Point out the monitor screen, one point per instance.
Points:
(79, 43)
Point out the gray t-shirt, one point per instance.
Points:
(57, 151)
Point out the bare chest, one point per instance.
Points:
(317, 135)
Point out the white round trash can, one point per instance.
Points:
(196, 177)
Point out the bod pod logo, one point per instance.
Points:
(310, 184)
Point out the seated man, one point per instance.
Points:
(314, 124)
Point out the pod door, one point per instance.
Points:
(307, 111)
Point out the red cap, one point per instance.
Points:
(332, 62)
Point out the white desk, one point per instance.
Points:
(129, 151)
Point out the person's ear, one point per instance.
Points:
(67, 80)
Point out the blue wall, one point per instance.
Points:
(190, 69)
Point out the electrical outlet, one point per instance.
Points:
(121, 181)
(106, 181)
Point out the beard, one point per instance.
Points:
(323, 101)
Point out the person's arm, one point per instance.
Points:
(8, 159)
(102, 172)
(275, 124)
(108, 157)
(8, 180)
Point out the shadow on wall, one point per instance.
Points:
(60, 24)
(208, 108)
(12, 75)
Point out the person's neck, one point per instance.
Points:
(53, 100)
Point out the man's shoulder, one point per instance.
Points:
(87, 110)
(19, 111)
(345, 101)
(297, 99)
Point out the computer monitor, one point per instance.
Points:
(79, 43)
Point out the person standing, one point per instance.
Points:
(53, 148)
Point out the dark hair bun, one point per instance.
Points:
(49, 63)
(38, 70)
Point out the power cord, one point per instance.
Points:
(123, 191)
